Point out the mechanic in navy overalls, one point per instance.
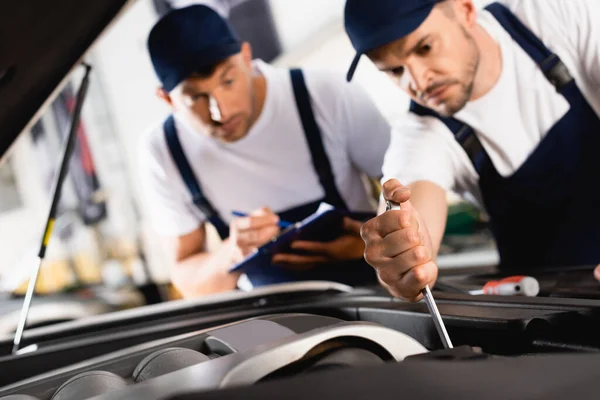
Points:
(246, 137)
(505, 105)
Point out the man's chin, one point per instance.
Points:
(443, 108)
(453, 101)
(229, 137)
(447, 109)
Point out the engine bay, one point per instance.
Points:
(280, 333)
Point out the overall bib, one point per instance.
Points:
(352, 273)
(546, 214)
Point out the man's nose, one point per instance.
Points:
(221, 105)
(418, 78)
(213, 108)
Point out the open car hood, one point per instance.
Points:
(41, 42)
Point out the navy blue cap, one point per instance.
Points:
(375, 23)
(189, 39)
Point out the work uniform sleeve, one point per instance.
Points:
(420, 151)
(575, 21)
(366, 131)
(580, 22)
(171, 213)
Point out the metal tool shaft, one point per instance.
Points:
(429, 300)
(437, 318)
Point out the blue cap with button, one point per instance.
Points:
(187, 40)
(375, 23)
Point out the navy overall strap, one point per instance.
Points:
(315, 142)
(463, 133)
(550, 64)
(190, 179)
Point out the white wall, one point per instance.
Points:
(222, 7)
(21, 229)
(299, 20)
(331, 49)
(126, 82)
(123, 68)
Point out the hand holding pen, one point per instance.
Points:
(281, 223)
(247, 232)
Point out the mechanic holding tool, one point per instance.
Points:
(247, 137)
(504, 110)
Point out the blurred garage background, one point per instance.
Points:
(101, 237)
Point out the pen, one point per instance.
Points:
(282, 224)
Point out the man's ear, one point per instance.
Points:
(164, 96)
(466, 11)
(247, 53)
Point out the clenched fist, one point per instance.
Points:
(399, 247)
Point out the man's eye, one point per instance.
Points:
(196, 97)
(228, 82)
(423, 50)
(398, 71)
(191, 100)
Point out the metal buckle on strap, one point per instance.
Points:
(462, 132)
(204, 206)
(558, 75)
(472, 146)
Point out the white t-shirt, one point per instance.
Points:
(272, 165)
(514, 116)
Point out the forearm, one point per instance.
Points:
(205, 273)
(430, 202)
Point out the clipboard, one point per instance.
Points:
(326, 224)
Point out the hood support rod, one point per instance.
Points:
(59, 180)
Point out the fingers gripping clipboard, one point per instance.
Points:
(326, 224)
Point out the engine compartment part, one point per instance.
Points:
(169, 350)
(166, 360)
(89, 384)
(498, 325)
(64, 344)
(248, 352)
(547, 377)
